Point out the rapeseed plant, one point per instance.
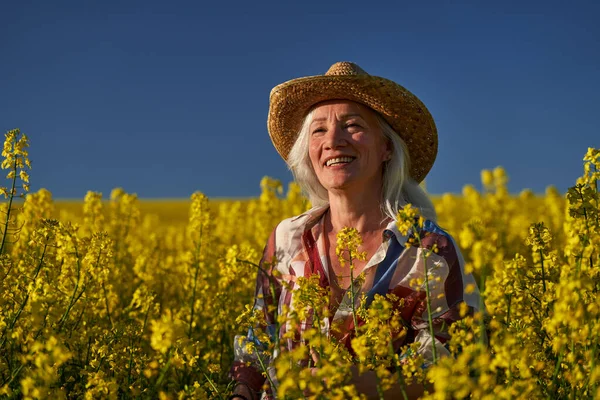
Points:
(112, 303)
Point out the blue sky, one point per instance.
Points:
(166, 98)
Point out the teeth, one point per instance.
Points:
(338, 160)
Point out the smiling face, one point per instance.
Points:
(346, 146)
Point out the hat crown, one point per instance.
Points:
(290, 102)
(345, 68)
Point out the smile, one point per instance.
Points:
(339, 161)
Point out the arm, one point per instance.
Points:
(447, 286)
(447, 282)
(249, 362)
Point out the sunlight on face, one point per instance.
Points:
(346, 147)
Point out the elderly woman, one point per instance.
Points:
(358, 145)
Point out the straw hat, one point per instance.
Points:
(291, 101)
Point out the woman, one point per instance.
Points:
(358, 145)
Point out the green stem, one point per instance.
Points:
(352, 298)
(482, 306)
(10, 201)
(74, 296)
(130, 364)
(380, 389)
(542, 334)
(106, 305)
(508, 310)
(401, 382)
(197, 266)
(594, 363)
(212, 385)
(164, 370)
(317, 318)
(89, 348)
(555, 376)
(543, 272)
(427, 295)
(272, 283)
(262, 365)
(597, 198)
(429, 316)
(587, 227)
(13, 376)
(22, 306)
(417, 236)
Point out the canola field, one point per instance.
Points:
(113, 297)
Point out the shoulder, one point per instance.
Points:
(448, 253)
(286, 238)
(299, 223)
(433, 231)
(425, 235)
(434, 237)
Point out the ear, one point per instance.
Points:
(389, 150)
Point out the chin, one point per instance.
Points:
(338, 185)
(348, 183)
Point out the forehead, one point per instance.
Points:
(337, 109)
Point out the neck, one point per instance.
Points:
(360, 209)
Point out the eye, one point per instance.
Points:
(353, 125)
(318, 130)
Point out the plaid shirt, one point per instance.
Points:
(298, 247)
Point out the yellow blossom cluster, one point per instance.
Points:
(112, 302)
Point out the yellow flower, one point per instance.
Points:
(141, 299)
(348, 242)
(487, 178)
(407, 219)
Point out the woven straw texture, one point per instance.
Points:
(291, 101)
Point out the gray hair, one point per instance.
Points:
(398, 187)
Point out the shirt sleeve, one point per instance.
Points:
(447, 284)
(250, 356)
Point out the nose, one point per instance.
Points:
(335, 137)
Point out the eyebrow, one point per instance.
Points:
(343, 116)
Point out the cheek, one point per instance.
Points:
(376, 155)
(313, 154)
(382, 150)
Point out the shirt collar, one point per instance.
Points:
(312, 215)
(392, 229)
(315, 213)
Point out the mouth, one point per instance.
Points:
(343, 160)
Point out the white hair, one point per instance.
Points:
(398, 187)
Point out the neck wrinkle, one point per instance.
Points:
(366, 217)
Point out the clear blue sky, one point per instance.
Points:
(166, 98)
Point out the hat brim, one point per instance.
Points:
(406, 114)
